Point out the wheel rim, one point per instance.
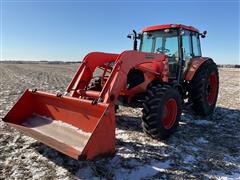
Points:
(170, 113)
(212, 88)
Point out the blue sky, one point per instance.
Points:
(68, 30)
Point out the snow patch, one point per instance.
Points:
(201, 140)
(189, 159)
(144, 171)
(224, 176)
(202, 122)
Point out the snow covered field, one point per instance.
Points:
(206, 148)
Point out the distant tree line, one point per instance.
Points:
(229, 65)
(38, 62)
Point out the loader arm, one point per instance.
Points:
(118, 77)
(84, 74)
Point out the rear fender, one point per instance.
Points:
(194, 66)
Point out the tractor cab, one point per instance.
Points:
(179, 42)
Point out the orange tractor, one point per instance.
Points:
(166, 71)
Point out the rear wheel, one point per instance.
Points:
(203, 88)
(161, 111)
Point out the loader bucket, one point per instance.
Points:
(72, 126)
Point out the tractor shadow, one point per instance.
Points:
(201, 146)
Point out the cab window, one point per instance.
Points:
(186, 43)
(148, 43)
(171, 47)
(163, 42)
(196, 45)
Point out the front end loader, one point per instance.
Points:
(81, 122)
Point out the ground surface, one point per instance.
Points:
(201, 148)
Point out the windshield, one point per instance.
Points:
(164, 42)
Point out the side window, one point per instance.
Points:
(196, 45)
(186, 43)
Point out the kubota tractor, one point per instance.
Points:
(166, 71)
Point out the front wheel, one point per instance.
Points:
(161, 111)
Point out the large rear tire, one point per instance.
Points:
(161, 111)
(203, 88)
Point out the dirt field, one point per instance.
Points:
(201, 149)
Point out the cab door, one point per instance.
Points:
(186, 49)
(190, 47)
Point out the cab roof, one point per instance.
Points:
(167, 26)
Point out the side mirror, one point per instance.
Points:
(203, 34)
(135, 37)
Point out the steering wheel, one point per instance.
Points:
(164, 51)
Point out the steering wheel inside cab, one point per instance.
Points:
(163, 51)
